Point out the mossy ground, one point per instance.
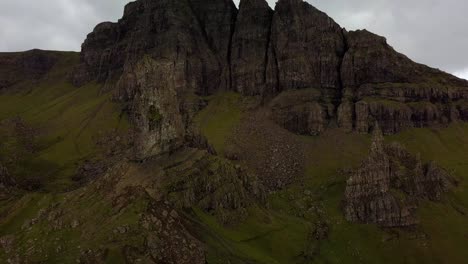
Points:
(68, 121)
(280, 234)
(218, 120)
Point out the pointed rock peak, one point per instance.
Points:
(377, 138)
(254, 4)
(300, 5)
(364, 38)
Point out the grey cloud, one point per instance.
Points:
(429, 31)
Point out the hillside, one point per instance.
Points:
(191, 131)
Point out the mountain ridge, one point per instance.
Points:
(193, 132)
(294, 47)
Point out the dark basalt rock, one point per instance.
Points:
(308, 47)
(383, 85)
(300, 111)
(249, 47)
(217, 19)
(162, 53)
(156, 56)
(389, 185)
(22, 66)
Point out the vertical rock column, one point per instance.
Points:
(249, 47)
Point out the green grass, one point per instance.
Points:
(279, 234)
(219, 118)
(68, 119)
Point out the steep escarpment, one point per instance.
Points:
(389, 185)
(158, 59)
(308, 71)
(383, 85)
(249, 47)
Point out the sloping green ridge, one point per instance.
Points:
(68, 120)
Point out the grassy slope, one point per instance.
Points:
(280, 234)
(69, 121)
(70, 118)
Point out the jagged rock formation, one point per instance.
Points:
(30, 65)
(212, 184)
(249, 47)
(383, 85)
(162, 53)
(157, 56)
(388, 186)
(307, 47)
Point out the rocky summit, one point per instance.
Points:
(195, 131)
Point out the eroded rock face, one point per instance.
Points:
(249, 47)
(300, 111)
(167, 239)
(21, 66)
(199, 47)
(383, 85)
(214, 185)
(388, 186)
(307, 47)
(156, 56)
(217, 19)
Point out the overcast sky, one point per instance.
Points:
(433, 32)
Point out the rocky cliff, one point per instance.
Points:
(310, 72)
(390, 183)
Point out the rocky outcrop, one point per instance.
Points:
(383, 85)
(162, 54)
(217, 19)
(158, 57)
(390, 183)
(212, 184)
(300, 111)
(307, 46)
(249, 47)
(167, 239)
(21, 66)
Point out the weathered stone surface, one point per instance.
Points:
(198, 47)
(217, 19)
(98, 54)
(300, 112)
(305, 52)
(21, 66)
(212, 184)
(388, 186)
(308, 46)
(388, 87)
(157, 56)
(167, 239)
(249, 47)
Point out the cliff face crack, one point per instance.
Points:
(354, 78)
(340, 81)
